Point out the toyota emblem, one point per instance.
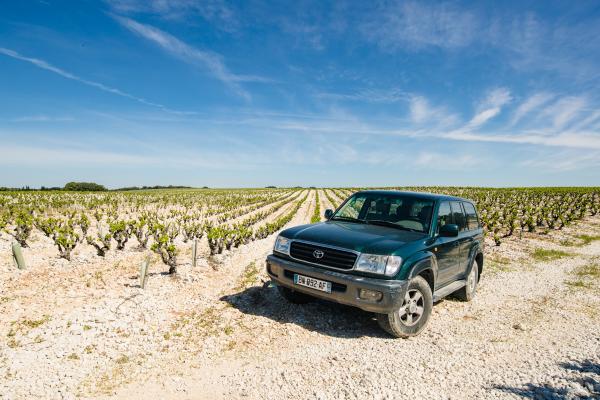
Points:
(318, 254)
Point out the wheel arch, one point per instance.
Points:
(476, 258)
(425, 267)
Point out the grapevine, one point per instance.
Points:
(221, 220)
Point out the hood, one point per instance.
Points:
(365, 238)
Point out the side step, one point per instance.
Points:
(448, 289)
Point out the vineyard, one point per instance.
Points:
(160, 221)
(165, 220)
(82, 319)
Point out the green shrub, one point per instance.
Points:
(84, 187)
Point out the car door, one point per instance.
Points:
(474, 232)
(464, 240)
(446, 249)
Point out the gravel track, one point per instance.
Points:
(526, 334)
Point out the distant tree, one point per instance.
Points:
(84, 187)
(123, 189)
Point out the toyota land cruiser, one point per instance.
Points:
(389, 252)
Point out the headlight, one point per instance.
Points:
(376, 264)
(393, 265)
(282, 245)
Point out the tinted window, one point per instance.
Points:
(458, 216)
(352, 208)
(472, 221)
(444, 215)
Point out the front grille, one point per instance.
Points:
(331, 257)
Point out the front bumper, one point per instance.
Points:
(345, 287)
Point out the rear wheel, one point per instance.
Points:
(468, 292)
(293, 296)
(413, 315)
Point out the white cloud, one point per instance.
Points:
(65, 74)
(497, 98)
(419, 109)
(524, 40)
(490, 107)
(533, 43)
(423, 113)
(483, 116)
(209, 60)
(368, 95)
(572, 140)
(427, 121)
(564, 110)
(587, 122)
(416, 25)
(532, 103)
(178, 10)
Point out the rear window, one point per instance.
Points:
(458, 216)
(472, 221)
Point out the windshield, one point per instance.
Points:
(395, 210)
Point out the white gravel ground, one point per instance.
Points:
(67, 332)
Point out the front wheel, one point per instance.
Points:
(413, 315)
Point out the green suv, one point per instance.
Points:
(388, 252)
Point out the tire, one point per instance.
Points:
(401, 323)
(468, 292)
(293, 296)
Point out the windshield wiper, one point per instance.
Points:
(351, 219)
(391, 225)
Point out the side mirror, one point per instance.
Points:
(328, 213)
(449, 230)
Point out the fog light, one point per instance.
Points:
(371, 295)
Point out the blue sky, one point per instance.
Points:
(236, 94)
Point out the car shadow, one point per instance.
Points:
(583, 384)
(320, 316)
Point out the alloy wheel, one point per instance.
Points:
(412, 307)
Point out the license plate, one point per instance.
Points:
(312, 283)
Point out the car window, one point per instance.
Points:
(472, 221)
(352, 208)
(444, 215)
(458, 216)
